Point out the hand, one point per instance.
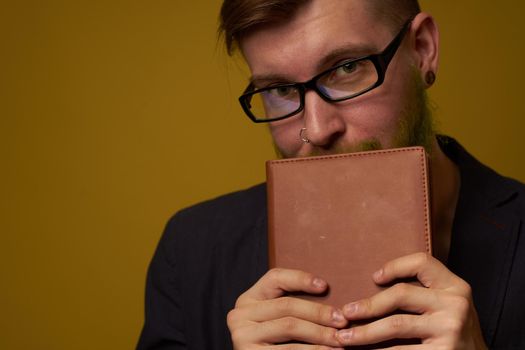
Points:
(442, 312)
(264, 317)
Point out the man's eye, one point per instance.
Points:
(348, 68)
(282, 91)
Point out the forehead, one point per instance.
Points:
(319, 32)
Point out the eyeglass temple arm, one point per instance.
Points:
(386, 56)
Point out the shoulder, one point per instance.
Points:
(206, 224)
(245, 200)
(234, 208)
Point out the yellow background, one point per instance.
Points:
(115, 114)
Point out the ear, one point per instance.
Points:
(425, 45)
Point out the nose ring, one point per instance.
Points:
(302, 137)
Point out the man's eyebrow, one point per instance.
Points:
(334, 56)
(343, 53)
(262, 79)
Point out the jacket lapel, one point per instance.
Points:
(484, 237)
(482, 252)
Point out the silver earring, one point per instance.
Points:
(302, 137)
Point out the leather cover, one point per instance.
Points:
(341, 217)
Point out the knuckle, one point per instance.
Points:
(288, 324)
(454, 327)
(279, 276)
(284, 305)
(323, 312)
(423, 258)
(360, 333)
(241, 300)
(326, 335)
(455, 323)
(398, 322)
(366, 306)
(465, 289)
(400, 290)
(231, 318)
(237, 335)
(461, 305)
(274, 275)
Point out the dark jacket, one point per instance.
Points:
(211, 253)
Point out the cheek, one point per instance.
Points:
(376, 117)
(286, 136)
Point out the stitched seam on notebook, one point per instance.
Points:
(425, 201)
(342, 156)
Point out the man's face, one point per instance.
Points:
(322, 34)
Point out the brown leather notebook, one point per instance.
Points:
(341, 217)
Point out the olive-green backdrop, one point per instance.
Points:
(114, 114)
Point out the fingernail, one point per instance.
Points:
(318, 283)
(345, 334)
(337, 316)
(351, 308)
(378, 274)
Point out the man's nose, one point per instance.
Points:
(322, 121)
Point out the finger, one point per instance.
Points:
(293, 329)
(288, 307)
(278, 281)
(290, 346)
(402, 326)
(402, 296)
(407, 347)
(428, 270)
(300, 347)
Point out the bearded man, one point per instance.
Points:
(332, 76)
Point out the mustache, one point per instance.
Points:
(362, 146)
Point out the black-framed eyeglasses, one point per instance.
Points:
(342, 82)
